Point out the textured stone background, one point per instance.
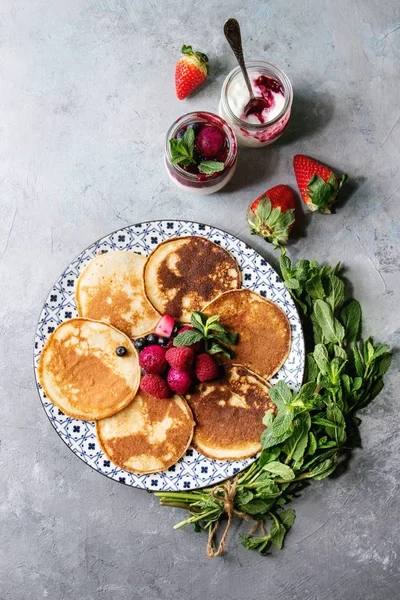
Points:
(86, 96)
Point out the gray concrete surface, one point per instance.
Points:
(86, 96)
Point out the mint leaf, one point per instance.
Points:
(256, 506)
(283, 421)
(321, 358)
(280, 394)
(188, 140)
(384, 364)
(331, 329)
(314, 287)
(324, 469)
(279, 470)
(277, 535)
(198, 320)
(181, 153)
(312, 444)
(268, 439)
(225, 337)
(187, 338)
(358, 363)
(336, 295)
(211, 166)
(291, 284)
(269, 455)
(215, 348)
(350, 316)
(288, 517)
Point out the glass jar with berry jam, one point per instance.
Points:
(268, 82)
(200, 152)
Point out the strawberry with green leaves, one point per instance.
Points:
(191, 70)
(272, 215)
(318, 184)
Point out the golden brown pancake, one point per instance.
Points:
(229, 412)
(81, 373)
(148, 435)
(263, 328)
(110, 289)
(183, 274)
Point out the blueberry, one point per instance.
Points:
(163, 341)
(175, 329)
(139, 344)
(151, 339)
(196, 128)
(121, 351)
(180, 134)
(144, 372)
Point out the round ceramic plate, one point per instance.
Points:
(193, 470)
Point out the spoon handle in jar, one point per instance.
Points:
(234, 39)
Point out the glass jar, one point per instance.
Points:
(268, 82)
(187, 178)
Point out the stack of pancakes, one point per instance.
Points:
(122, 295)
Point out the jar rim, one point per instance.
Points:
(193, 117)
(271, 69)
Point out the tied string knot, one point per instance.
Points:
(226, 494)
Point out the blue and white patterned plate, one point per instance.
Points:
(193, 470)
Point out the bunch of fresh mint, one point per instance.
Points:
(314, 428)
(216, 337)
(182, 153)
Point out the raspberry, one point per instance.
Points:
(205, 367)
(178, 381)
(155, 385)
(152, 359)
(180, 358)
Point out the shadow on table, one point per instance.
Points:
(311, 112)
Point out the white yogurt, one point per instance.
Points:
(238, 96)
(269, 83)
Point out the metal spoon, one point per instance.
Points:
(232, 34)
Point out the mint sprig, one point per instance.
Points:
(312, 430)
(182, 153)
(217, 338)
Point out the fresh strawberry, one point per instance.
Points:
(152, 359)
(318, 184)
(190, 72)
(180, 358)
(155, 385)
(205, 367)
(272, 214)
(165, 326)
(178, 381)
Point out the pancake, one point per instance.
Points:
(81, 373)
(183, 274)
(148, 435)
(263, 328)
(110, 289)
(228, 414)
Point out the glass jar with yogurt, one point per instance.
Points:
(271, 84)
(213, 142)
